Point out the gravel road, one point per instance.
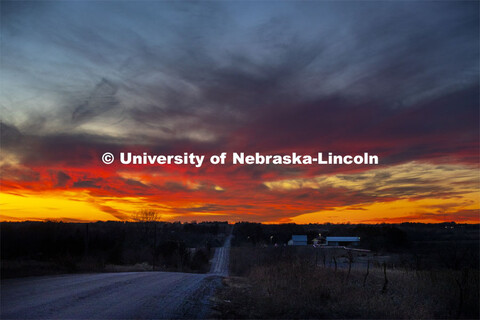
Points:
(219, 265)
(128, 295)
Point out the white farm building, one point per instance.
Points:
(342, 241)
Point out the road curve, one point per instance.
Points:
(128, 295)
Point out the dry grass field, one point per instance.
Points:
(279, 283)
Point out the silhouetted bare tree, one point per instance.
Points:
(146, 215)
(149, 218)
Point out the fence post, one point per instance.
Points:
(384, 289)
(366, 275)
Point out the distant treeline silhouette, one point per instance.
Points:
(35, 248)
(449, 245)
(30, 248)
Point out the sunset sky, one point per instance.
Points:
(395, 79)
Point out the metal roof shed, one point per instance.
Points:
(336, 241)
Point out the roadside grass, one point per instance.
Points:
(285, 284)
(23, 268)
(193, 260)
(45, 248)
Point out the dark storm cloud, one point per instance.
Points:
(443, 126)
(134, 183)
(88, 183)
(18, 173)
(460, 216)
(62, 179)
(99, 101)
(9, 135)
(199, 67)
(212, 207)
(114, 212)
(69, 149)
